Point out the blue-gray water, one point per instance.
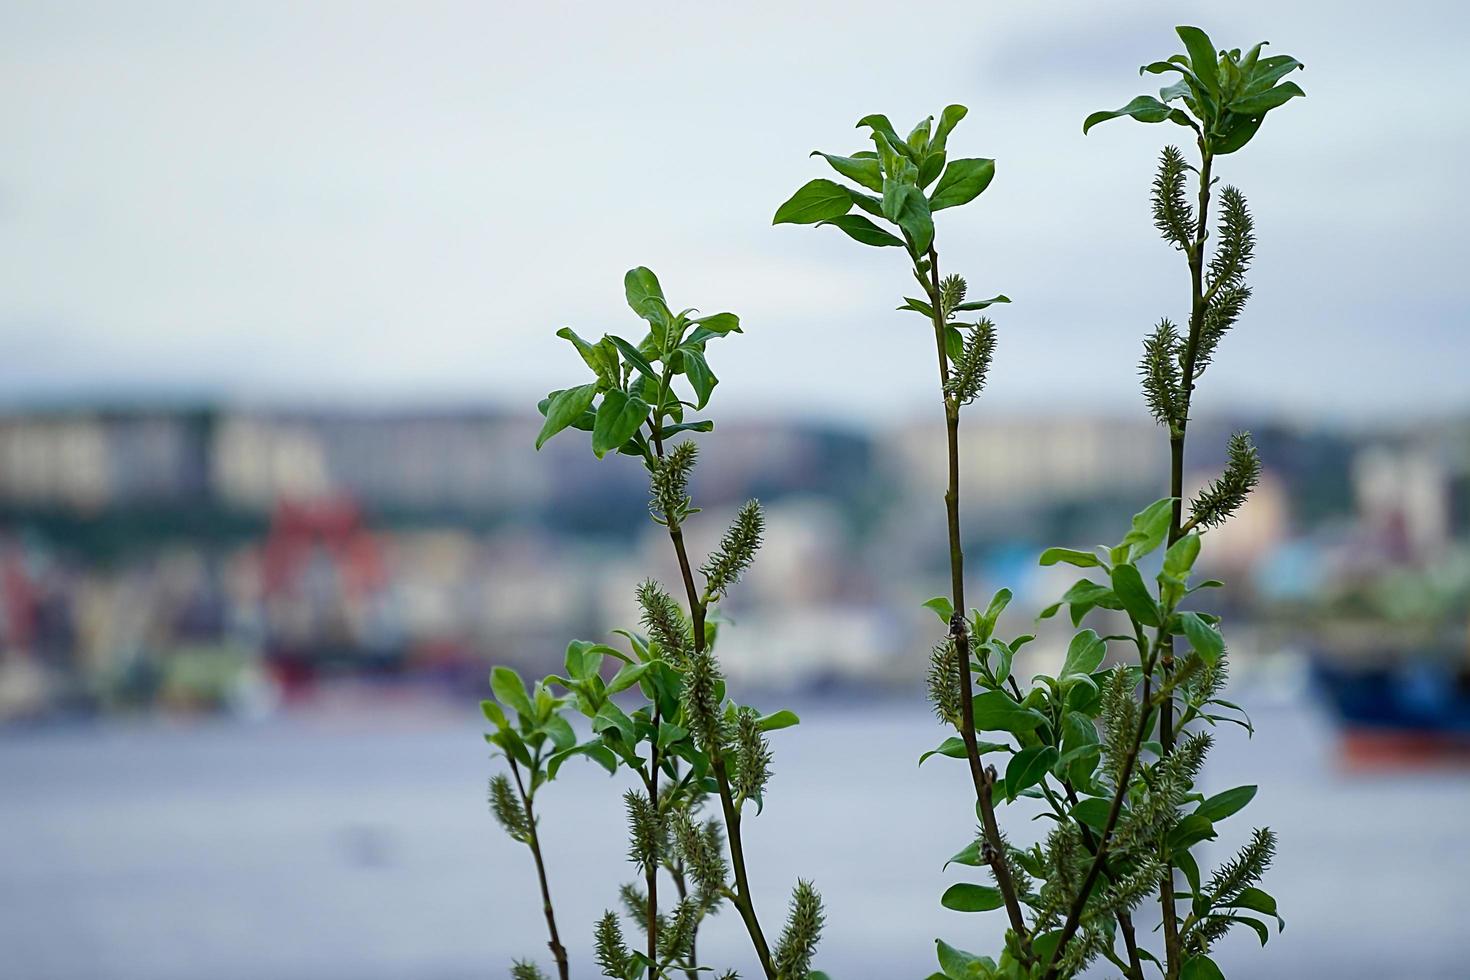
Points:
(361, 848)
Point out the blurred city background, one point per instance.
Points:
(278, 290)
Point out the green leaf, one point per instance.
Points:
(646, 296)
(863, 170)
(960, 965)
(969, 856)
(719, 323)
(942, 607)
(493, 714)
(1150, 528)
(565, 408)
(1222, 805)
(1200, 967)
(1027, 768)
(861, 229)
(986, 622)
(510, 691)
(980, 304)
(632, 355)
(610, 716)
(948, 120)
(1084, 654)
(582, 660)
(995, 711)
(600, 357)
(701, 378)
(1205, 639)
(778, 720)
(1202, 57)
(954, 748)
(965, 897)
(1134, 595)
(817, 200)
(561, 733)
(1259, 901)
(962, 182)
(880, 125)
(1190, 831)
(915, 219)
(618, 418)
(627, 676)
(1145, 108)
(1261, 103)
(1082, 559)
(595, 751)
(1179, 559)
(917, 306)
(1092, 812)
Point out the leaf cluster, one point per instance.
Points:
(1223, 96)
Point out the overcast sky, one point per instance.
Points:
(403, 202)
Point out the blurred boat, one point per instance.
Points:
(1400, 712)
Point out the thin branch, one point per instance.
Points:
(533, 840)
(982, 777)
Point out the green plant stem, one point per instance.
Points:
(1134, 967)
(742, 898)
(984, 781)
(558, 951)
(650, 875)
(1100, 857)
(1167, 903)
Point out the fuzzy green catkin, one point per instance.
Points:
(525, 970)
(701, 699)
(1173, 216)
(798, 943)
(944, 681)
(703, 849)
(668, 485)
(1221, 499)
(612, 951)
(1237, 245)
(1120, 721)
(736, 550)
(1245, 869)
(951, 294)
(1159, 370)
(677, 937)
(1221, 313)
(967, 374)
(664, 619)
(752, 756)
(507, 808)
(645, 830)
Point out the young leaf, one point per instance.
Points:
(961, 183)
(1145, 108)
(1200, 967)
(863, 170)
(995, 711)
(1202, 57)
(942, 607)
(1222, 805)
(1134, 595)
(965, 897)
(1205, 639)
(1027, 768)
(618, 418)
(817, 200)
(1082, 559)
(646, 296)
(510, 691)
(861, 229)
(1084, 654)
(565, 408)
